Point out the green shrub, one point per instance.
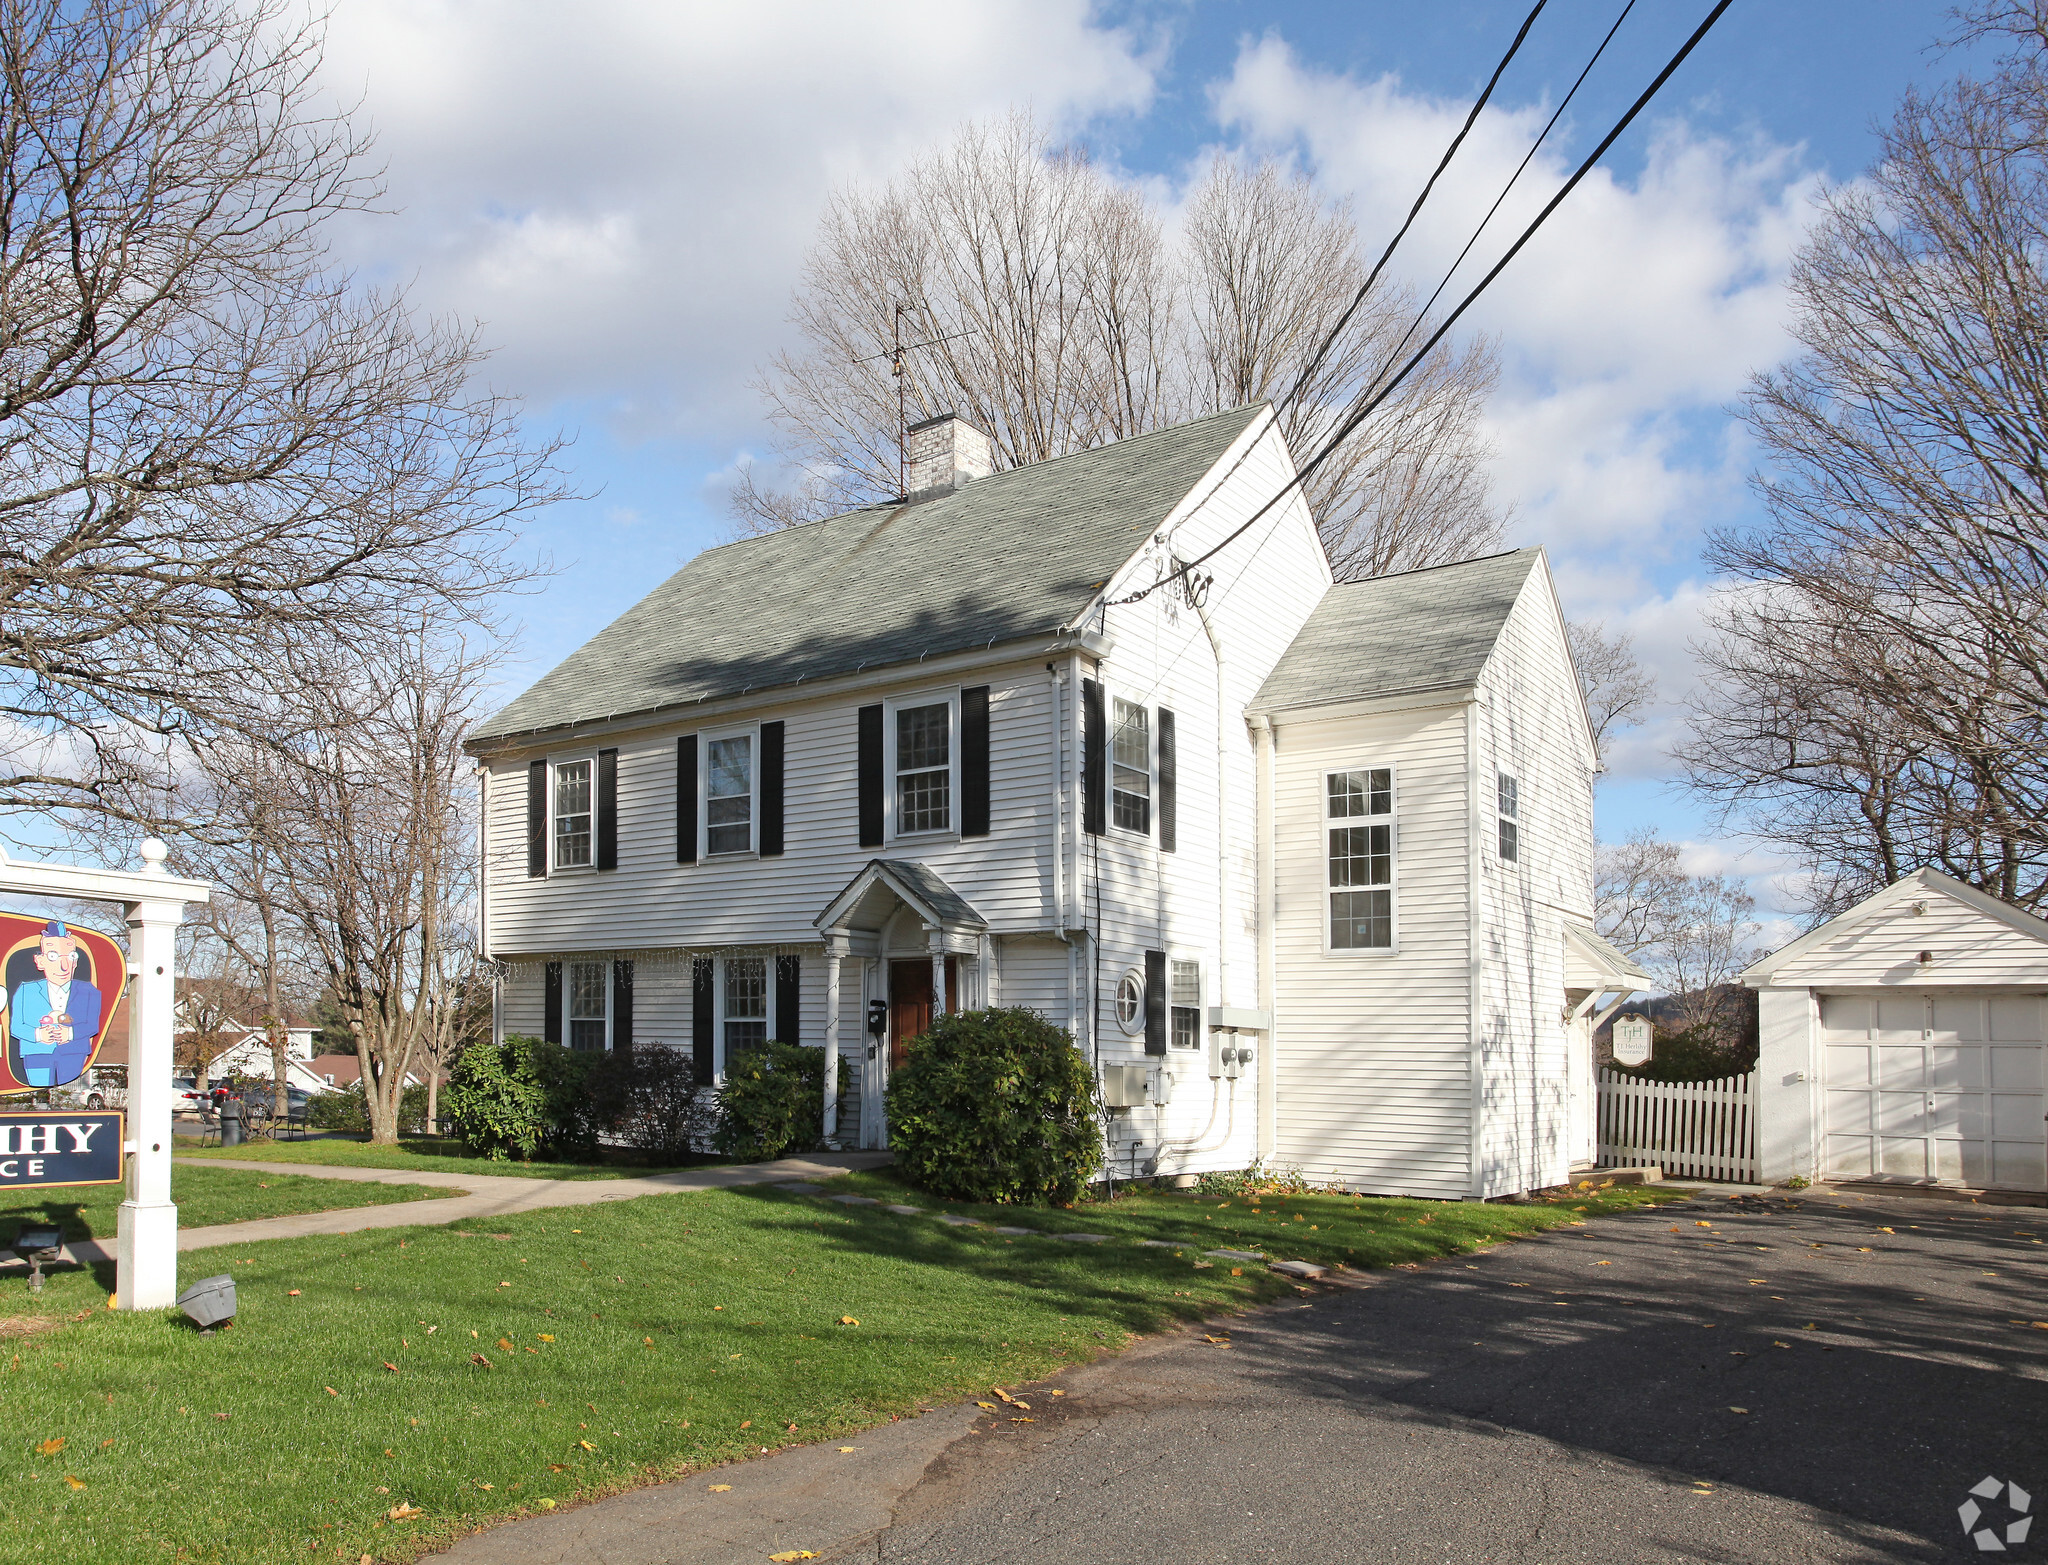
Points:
(995, 1106)
(497, 1099)
(344, 1109)
(771, 1102)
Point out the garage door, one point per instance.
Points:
(1935, 1088)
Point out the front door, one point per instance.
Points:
(910, 1002)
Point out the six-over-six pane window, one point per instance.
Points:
(746, 1002)
(1130, 778)
(572, 814)
(1360, 848)
(924, 767)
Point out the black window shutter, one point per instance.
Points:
(870, 768)
(789, 983)
(1169, 785)
(1155, 1002)
(686, 799)
(771, 789)
(700, 1019)
(551, 1006)
(1094, 773)
(622, 1007)
(607, 809)
(536, 819)
(974, 761)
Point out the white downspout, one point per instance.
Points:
(1223, 990)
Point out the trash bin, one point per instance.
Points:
(231, 1123)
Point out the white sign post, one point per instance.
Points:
(147, 1276)
(1632, 1035)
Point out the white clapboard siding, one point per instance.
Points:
(1692, 1129)
(1530, 726)
(1883, 946)
(1372, 1052)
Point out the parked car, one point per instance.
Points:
(102, 1087)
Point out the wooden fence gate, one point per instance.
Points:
(1692, 1129)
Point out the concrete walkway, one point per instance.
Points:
(479, 1198)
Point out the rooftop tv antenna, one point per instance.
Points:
(895, 357)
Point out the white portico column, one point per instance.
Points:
(938, 942)
(147, 1278)
(835, 953)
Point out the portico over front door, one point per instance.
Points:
(910, 1001)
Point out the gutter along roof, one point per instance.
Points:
(1016, 554)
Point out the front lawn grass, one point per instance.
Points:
(205, 1196)
(481, 1370)
(428, 1154)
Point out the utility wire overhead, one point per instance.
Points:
(1366, 411)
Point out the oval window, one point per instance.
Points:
(1130, 1002)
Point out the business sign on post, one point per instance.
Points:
(62, 991)
(1632, 1036)
(55, 1148)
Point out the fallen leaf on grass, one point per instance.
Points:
(504, 1345)
(51, 1446)
(1237, 1271)
(746, 1423)
(328, 1389)
(478, 1358)
(106, 1442)
(74, 1481)
(586, 1445)
(720, 1488)
(545, 1337)
(844, 1320)
(390, 1366)
(292, 1293)
(404, 1511)
(545, 1505)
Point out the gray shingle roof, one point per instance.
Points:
(1016, 554)
(1421, 630)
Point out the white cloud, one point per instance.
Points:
(622, 193)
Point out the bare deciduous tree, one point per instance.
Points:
(210, 443)
(1062, 315)
(1694, 932)
(1880, 698)
(1619, 690)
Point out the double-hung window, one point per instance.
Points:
(1510, 828)
(924, 768)
(1184, 1012)
(729, 794)
(746, 1003)
(1130, 776)
(589, 1006)
(572, 814)
(1359, 852)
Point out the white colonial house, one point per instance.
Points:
(1304, 868)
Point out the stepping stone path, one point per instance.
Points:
(1016, 1230)
(907, 1211)
(856, 1200)
(1238, 1255)
(1083, 1238)
(1162, 1244)
(1308, 1271)
(798, 1187)
(957, 1222)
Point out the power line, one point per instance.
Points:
(1330, 341)
(1344, 430)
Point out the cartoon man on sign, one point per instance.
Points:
(55, 1018)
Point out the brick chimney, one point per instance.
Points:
(945, 452)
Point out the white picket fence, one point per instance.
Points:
(1693, 1129)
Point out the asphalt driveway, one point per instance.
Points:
(1819, 1378)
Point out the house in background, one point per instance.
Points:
(1305, 869)
(247, 1054)
(1906, 1041)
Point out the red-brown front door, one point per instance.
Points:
(910, 1002)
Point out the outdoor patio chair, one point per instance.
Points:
(209, 1128)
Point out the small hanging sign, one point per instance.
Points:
(59, 1148)
(60, 990)
(1632, 1036)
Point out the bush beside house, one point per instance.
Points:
(525, 1097)
(995, 1106)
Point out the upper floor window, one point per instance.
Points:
(1184, 1011)
(1510, 829)
(746, 1003)
(572, 814)
(1359, 833)
(924, 767)
(589, 1006)
(729, 794)
(1130, 778)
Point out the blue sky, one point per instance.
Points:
(621, 196)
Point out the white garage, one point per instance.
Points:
(1906, 1041)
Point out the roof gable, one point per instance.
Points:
(1431, 629)
(1016, 554)
(1969, 937)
